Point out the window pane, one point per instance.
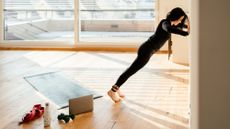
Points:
(38, 20)
(119, 20)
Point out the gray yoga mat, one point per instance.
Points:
(58, 88)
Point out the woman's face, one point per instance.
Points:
(176, 22)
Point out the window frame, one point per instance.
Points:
(62, 44)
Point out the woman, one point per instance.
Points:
(175, 22)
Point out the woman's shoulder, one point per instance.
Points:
(164, 24)
(164, 21)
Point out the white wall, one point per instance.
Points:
(210, 69)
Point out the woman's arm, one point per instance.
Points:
(185, 24)
(174, 29)
(188, 25)
(182, 24)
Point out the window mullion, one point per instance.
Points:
(1, 21)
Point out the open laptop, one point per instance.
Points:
(81, 104)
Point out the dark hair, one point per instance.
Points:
(175, 14)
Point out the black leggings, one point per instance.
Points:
(144, 54)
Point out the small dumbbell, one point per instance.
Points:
(66, 118)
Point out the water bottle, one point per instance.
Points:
(46, 116)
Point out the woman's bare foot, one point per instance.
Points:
(121, 94)
(114, 96)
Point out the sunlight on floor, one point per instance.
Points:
(158, 93)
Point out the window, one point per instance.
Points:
(116, 20)
(39, 20)
(97, 21)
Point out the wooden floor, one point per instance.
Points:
(157, 97)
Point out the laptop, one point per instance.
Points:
(81, 104)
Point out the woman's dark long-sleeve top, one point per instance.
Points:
(162, 34)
